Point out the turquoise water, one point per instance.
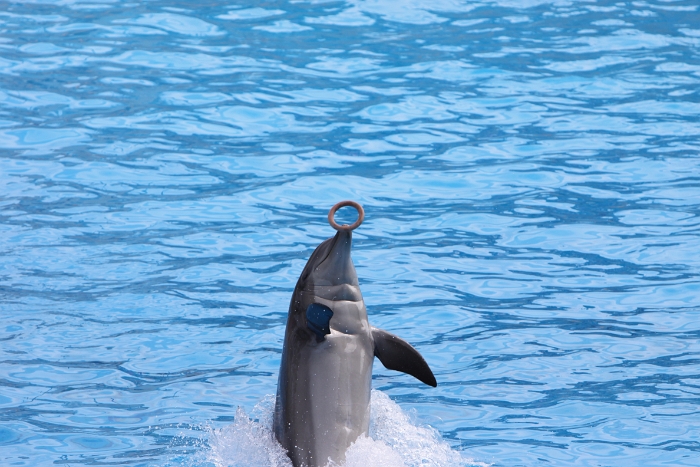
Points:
(530, 173)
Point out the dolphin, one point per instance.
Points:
(323, 392)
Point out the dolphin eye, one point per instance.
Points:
(318, 320)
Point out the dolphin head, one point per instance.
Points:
(336, 267)
(330, 273)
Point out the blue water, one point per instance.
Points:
(530, 172)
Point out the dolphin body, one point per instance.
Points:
(323, 393)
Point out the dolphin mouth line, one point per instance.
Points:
(332, 295)
(334, 241)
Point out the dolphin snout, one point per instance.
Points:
(337, 268)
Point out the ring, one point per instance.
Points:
(348, 228)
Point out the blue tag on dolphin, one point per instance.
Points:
(318, 320)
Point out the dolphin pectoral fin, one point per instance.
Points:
(397, 354)
(318, 320)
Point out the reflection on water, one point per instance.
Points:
(530, 175)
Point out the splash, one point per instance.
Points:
(248, 443)
(393, 441)
(416, 445)
(369, 452)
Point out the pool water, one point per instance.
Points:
(530, 173)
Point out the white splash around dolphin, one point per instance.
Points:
(394, 441)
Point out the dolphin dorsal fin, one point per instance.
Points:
(318, 320)
(397, 354)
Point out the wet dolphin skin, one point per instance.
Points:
(323, 393)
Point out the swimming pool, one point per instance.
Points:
(530, 173)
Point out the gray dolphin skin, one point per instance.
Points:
(323, 393)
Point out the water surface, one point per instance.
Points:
(531, 180)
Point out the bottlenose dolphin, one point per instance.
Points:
(323, 393)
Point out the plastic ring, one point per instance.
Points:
(342, 204)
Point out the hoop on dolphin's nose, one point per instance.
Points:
(342, 204)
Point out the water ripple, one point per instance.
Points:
(530, 176)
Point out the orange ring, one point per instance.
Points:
(342, 204)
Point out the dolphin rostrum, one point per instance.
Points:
(323, 393)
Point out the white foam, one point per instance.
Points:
(416, 445)
(247, 443)
(367, 452)
(394, 441)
